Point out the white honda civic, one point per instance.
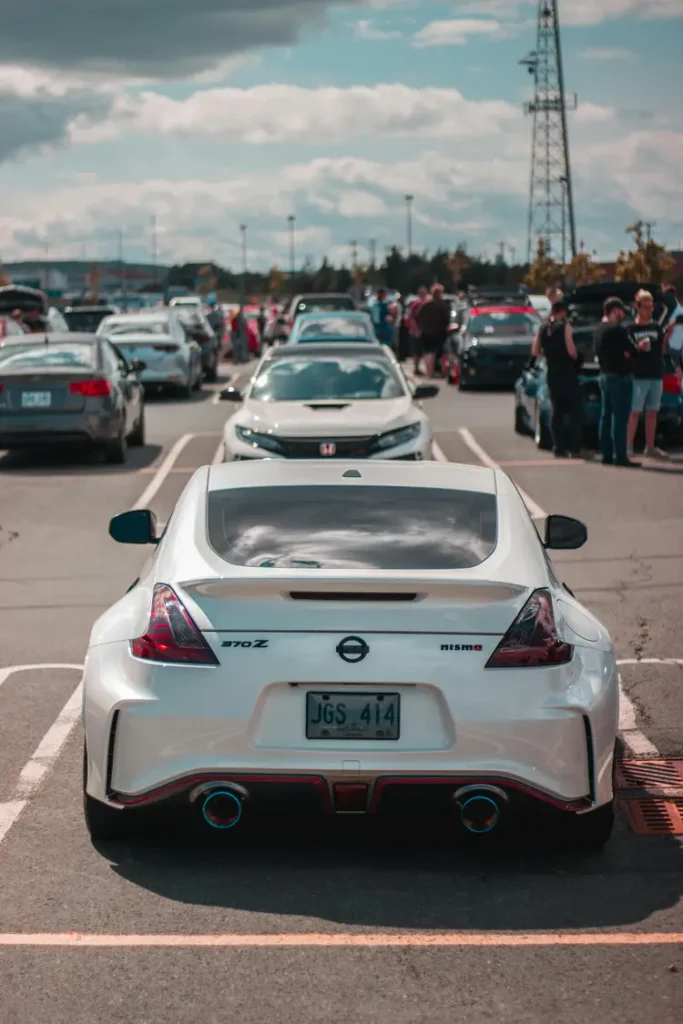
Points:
(350, 638)
(333, 400)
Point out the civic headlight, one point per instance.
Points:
(395, 437)
(256, 440)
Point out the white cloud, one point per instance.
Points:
(367, 31)
(284, 113)
(454, 32)
(603, 53)
(593, 113)
(577, 12)
(356, 203)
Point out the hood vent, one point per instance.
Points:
(327, 405)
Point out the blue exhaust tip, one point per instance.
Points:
(222, 809)
(480, 814)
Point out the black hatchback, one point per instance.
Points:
(70, 390)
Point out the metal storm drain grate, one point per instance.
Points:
(654, 816)
(649, 774)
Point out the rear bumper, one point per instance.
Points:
(19, 431)
(155, 732)
(501, 371)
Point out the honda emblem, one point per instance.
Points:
(328, 448)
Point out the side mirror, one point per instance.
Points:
(426, 391)
(562, 533)
(231, 395)
(136, 527)
(137, 366)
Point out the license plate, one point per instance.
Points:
(36, 399)
(353, 716)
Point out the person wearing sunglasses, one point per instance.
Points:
(649, 348)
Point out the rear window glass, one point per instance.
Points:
(352, 527)
(135, 326)
(334, 327)
(27, 358)
(85, 320)
(319, 304)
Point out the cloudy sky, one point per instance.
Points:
(221, 112)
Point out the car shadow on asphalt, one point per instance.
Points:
(346, 873)
(70, 461)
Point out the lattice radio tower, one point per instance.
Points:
(551, 200)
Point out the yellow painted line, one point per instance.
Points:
(348, 939)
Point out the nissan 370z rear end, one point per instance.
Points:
(384, 640)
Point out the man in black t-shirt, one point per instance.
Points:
(614, 351)
(649, 347)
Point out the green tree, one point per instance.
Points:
(647, 262)
(581, 270)
(544, 271)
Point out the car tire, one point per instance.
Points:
(521, 426)
(137, 438)
(115, 451)
(185, 390)
(542, 434)
(590, 832)
(103, 822)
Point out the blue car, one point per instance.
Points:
(533, 408)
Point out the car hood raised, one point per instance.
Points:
(327, 418)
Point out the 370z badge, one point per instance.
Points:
(245, 643)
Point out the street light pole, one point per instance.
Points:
(121, 273)
(243, 296)
(154, 245)
(291, 220)
(409, 222)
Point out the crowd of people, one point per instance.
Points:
(422, 333)
(633, 359)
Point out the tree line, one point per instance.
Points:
(644, 260)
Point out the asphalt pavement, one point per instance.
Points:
(340, 924)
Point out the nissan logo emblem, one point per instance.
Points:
(352, 649)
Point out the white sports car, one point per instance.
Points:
(347, 400)
(368, 638)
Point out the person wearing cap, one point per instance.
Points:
(555, 341)
(614, 351)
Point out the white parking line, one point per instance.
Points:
(535, 510)
(46, 753)
(163, 471)
(635, 740)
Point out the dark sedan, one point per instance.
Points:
(70, 389)
(493, 345)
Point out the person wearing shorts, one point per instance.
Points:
(649, 347)
(433, 320)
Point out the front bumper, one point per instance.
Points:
(417, 450)
(155, 732)
(489, 368)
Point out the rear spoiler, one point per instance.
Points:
(308, 586)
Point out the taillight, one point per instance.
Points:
(171, 635)
(532, 640)
(90, 388)
(671, 383)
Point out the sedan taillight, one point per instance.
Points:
(532, 640)
(172, 636)
(90, 388)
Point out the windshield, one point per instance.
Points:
(85, 319)
(357, 527)
(334, 327)
(501, 324)
(36, 357)
(318, 304)
(319, 380)
(133, 325)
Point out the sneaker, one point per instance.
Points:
(655, 453)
